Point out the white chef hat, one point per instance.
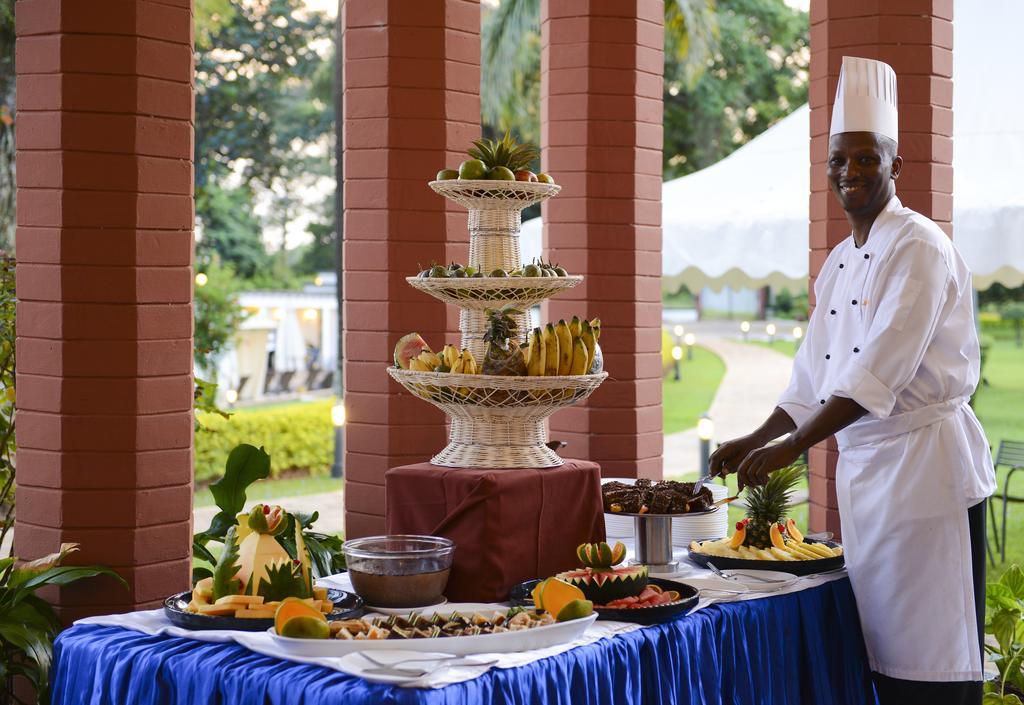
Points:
(866, 99)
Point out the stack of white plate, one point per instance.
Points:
(685, 528)
(698, 527)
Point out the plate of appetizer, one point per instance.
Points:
(458, 629)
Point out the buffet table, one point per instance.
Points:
(801, 647)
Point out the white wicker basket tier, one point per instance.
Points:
(497, 422)
(475, 296)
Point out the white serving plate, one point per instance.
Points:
(506, 642)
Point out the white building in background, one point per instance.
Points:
(287, 345)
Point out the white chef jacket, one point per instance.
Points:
(893, 329)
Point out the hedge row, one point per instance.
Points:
(297, 436)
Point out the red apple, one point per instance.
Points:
(525, 175)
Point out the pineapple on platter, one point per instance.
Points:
(766, 534)
(504, 356)
(768, 505)
(505, 152)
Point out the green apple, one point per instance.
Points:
(447, 175)
(501, 173)
(472, 169)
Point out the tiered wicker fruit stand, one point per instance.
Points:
(496, 421)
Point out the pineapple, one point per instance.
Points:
(503, 356)
(504, 152)
(767, 505)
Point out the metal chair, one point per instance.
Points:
(1011, 456)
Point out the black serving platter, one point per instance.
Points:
(347, 605)
(808, 567)
(521, 595)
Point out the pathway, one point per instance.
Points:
(754, 378)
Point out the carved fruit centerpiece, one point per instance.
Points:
(602, 580)
(255, 573)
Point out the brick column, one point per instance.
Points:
(601, 132)
(916, 39)
(411, 107)
(104, 241)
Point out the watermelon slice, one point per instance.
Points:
(409, 347)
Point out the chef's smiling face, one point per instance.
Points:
(862, 171)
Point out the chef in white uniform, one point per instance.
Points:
(888, 365)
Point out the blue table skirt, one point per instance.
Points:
(804, 647)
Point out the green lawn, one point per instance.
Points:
(275, 489)
(684, 401)
(1000, 408)
(786, 347)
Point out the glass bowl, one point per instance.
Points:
(399, 570)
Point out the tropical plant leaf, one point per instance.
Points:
(67, 574)
(1003, 627)
(200, 573)
(245, 465)
(1000, 596)
(23, 572)
(202, 553)
(35, 643)
(1013, 578)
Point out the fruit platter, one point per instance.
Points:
(462, 629)
(498, 403)
(767, 538)
(505, 377)
(615, 592)
(254, 576)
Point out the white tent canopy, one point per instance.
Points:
(743, 222)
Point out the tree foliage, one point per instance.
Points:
(732, 68)
(7, 182)
(757, 75)
(231, 231)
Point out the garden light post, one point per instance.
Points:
(705, 431)
(798, 334)
(201, 279)
(338, 421)
(678, 330)
(689, 339)
(770, 330)
(677, 355)
(745, 329)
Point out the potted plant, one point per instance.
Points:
(28, 624)
(1005, 600)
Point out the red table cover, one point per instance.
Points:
(508, 525)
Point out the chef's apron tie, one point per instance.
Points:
(872, 430)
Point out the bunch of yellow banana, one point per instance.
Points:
(450, 360)
(562, 349)
(458, 363)
(426, 361)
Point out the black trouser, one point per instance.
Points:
(893, 691)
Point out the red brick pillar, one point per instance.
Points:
(602, 63)
(104, 242)
(411, 107)
(916, 39)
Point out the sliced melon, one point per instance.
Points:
(604, 586)
(409, 347)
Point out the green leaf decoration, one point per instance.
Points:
(283, 579)
(200, 573)
(1014, 580)
(202, 553)
(999, 596)
(245, 465)
(1003, 627)
(224, 580)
